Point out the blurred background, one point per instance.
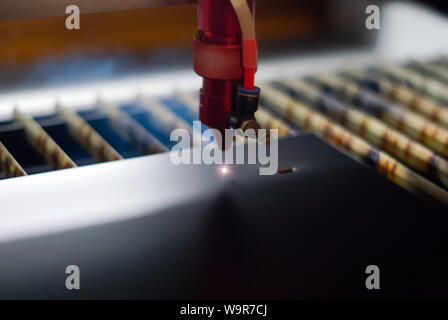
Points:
(40, 52)
(43, 51)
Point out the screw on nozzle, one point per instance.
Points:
(246, 104)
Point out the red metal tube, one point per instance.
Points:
(218, 25)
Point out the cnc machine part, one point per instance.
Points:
(219, 59)
(132, 131)
(268, 121)
(411, 100)
(249, 42)
(264, 118)
(246, 105)
(408, 122)
(87, 136)
(43, 143)
(409, 151)
(303, 116)
(8, 164)
(430, 87)
(192, 102)
(167, 120)
(429, 71)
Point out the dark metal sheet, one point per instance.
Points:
(307, 234)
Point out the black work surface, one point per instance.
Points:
(307, 234)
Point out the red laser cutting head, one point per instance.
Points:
(218, 59)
